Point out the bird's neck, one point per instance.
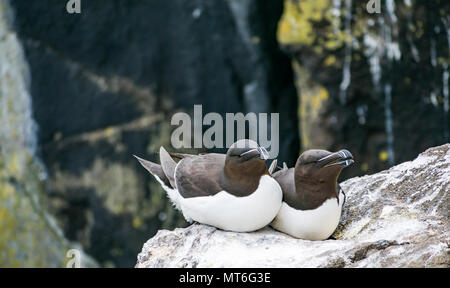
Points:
(241, 182)
(313, 192)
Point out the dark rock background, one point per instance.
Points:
(106, 82)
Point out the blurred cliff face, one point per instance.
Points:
(24, 225)
(376, 84)
(104, 84)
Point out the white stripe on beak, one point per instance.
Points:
(329, 156)
(261, 150)
(249, 151)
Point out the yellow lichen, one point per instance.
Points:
(299, 24)
(108, 132)
(295, 25)
(255, 40)
(13, 166)
(330, 60)
(137, 222)
(313, 97)
(364, 166)
(383, 156)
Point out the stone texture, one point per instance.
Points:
(395, 218)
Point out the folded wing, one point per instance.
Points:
(285, 178)
(199, 175)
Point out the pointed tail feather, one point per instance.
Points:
(168, 165)
(157, 171)
(273, 166)
(154, 169)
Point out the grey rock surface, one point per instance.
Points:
(394, 218)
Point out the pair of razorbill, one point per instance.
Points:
(236, 191)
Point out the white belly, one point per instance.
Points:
(240, 214)
(316, 224)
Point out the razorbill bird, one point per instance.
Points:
(232, 191)
(312, 198)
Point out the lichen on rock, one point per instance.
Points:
(385, 75)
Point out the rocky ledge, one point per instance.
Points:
(394, 218)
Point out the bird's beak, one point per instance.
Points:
(260, 151)
(341, 158)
